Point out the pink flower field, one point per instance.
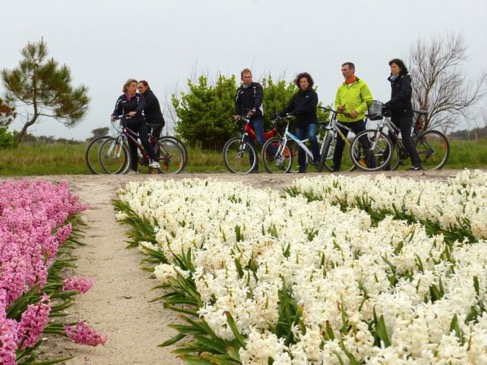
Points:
(38, 229)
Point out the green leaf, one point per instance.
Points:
(233, 327)
(172, 340)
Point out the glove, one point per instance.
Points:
(386, 112)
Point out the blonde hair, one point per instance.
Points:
(127, 83)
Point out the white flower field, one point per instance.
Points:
(339, 270)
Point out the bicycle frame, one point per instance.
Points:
(126, 135)
(287, 136)
(248, 131)
(335, 126)
(416, 133)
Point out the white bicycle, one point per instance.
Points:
(279, 153)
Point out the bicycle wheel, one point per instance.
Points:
(325, 156)
(433, 149)
(395, 158)
(277, 157)
(92, 155)
(114, 156)
(181, 146)
(171, 156)
(239, 157)
(371, 151)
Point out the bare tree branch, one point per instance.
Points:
(439, 84)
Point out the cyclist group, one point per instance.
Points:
(352, 99)
(139, 104)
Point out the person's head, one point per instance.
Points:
(348, 69)
(130, 87)
(304, 81)
(142, 86)
(397, 67)
(246, 76)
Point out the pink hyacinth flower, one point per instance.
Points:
(33, 321)
(85, 335)
(78, 283)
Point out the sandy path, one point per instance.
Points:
(118, 304)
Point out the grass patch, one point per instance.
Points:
(69, 159)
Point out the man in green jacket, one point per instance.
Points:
(351, 101)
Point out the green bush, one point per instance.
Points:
(7, 139)
(205, 113)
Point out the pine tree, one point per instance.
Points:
(43, 86)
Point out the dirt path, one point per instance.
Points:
(118, 304)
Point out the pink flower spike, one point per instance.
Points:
(78, 283)
(8, 341)
(84, 335)
(33, 321)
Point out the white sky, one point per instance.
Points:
(105, 42)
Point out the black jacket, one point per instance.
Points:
(124, 106)
(303, 105)
(152, 110)
(249, 98)
(401, 92)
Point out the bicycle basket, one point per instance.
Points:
(375, 110)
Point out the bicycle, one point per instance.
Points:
(278, 153)
(432, 146)
(239, 154)
(115, 157)
(327, 150)
(175, 140)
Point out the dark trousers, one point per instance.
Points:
(405, 124)
(139, 126)
(257, 124)
(310, 131)
(156, 130)
(356, 128)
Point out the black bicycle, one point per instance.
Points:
(432, 145)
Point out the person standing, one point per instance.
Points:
(303, 106)
(152, 110)
(402, 109)
(352, 99)
(248, 101)
(131, 105)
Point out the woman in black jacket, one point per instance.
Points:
(402, 109)
(303, 105)
(152, 110)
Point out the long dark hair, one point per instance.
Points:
(402, 66)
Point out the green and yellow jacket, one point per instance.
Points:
(354, 97)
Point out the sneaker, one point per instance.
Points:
(415, 168)
(154, 165)
(132, 172)
(280, 161)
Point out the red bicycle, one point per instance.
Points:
(239, 153)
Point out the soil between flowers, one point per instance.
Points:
(119, 305)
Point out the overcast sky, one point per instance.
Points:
(168, 41)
